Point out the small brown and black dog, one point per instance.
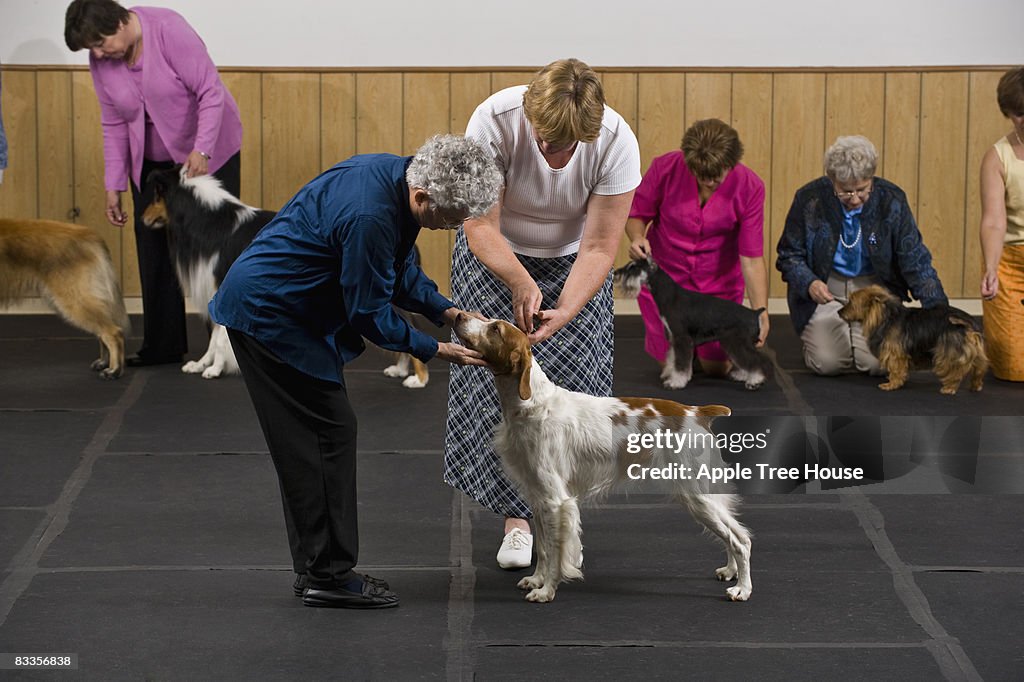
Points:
(68, 265)
(944, 338)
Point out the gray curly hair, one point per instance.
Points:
(851, 158)
(460, 177)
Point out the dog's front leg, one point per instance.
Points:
(549, 544)
(532, 582)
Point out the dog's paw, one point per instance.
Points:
(541, 595)
(738, 593)
(530, 582)
(108, 373)
(947, 391)
(413, 381)
(737, 374)
(889, 386)
(98, 365)
(212, 372)
(676, 381)
(193, 367)
(725, 573)
(395, 371)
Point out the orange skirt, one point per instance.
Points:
(1004, 318)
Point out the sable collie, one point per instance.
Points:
(207, 229)
(68, 265)
(561, 448)
(943, 338)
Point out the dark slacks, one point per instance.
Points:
(164, 334)
(310, 429)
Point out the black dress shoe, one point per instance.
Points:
(146, 361)
(302, 582)
(371, 597)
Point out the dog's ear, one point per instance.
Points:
(522, 362)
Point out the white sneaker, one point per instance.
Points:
(516, 550)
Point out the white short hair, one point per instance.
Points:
(851, 158)
(457, 174)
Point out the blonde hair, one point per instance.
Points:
(711, 147)
(565, 102)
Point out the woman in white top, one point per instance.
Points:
(541, 258)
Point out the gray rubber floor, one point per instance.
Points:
(141, 529)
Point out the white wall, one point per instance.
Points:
(727, 33)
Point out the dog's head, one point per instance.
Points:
(159, 185)
(869, 306)
(633, 274)
(503, 345)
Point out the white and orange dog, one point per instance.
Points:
(561, 447)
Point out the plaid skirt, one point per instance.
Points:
(578, 357)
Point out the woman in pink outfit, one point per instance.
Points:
(162, 102)
(699, 213)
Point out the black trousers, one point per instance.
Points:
(164, 334)
(310, 429)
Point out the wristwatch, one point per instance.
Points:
(204, 155)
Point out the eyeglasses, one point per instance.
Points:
(861, 194)
(451, 225)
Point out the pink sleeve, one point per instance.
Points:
(648, 196)
(751, 232)
(186, 53)
(116, 154)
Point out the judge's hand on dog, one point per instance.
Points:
(456, 353)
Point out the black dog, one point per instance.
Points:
(691, 318)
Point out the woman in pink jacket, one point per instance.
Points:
(162, 102)
(699, 213)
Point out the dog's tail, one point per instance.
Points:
(707, 414)
(106, 287)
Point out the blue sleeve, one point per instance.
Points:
(913, 258)
(367, 286)
(417, 293)
(3, 140)
(794, 250)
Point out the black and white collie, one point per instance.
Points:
(207, 229)
(691, 318)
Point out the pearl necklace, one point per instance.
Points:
(855, 241)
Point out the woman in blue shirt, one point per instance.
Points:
(845, 231)
(298, 302)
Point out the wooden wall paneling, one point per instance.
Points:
(291, 134)
(89, 186)
(986, 124)
(902, 142)
(661, 99)
(855, 105)
(468, 90)
(247, 89)
(708, 95)
(620, 94)
(427, 112)
(56, 176)
(943, 178)
(506, 79)
(752, 119)
(19, 193)
(337, 118)
(798, 135)
(379, 113)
